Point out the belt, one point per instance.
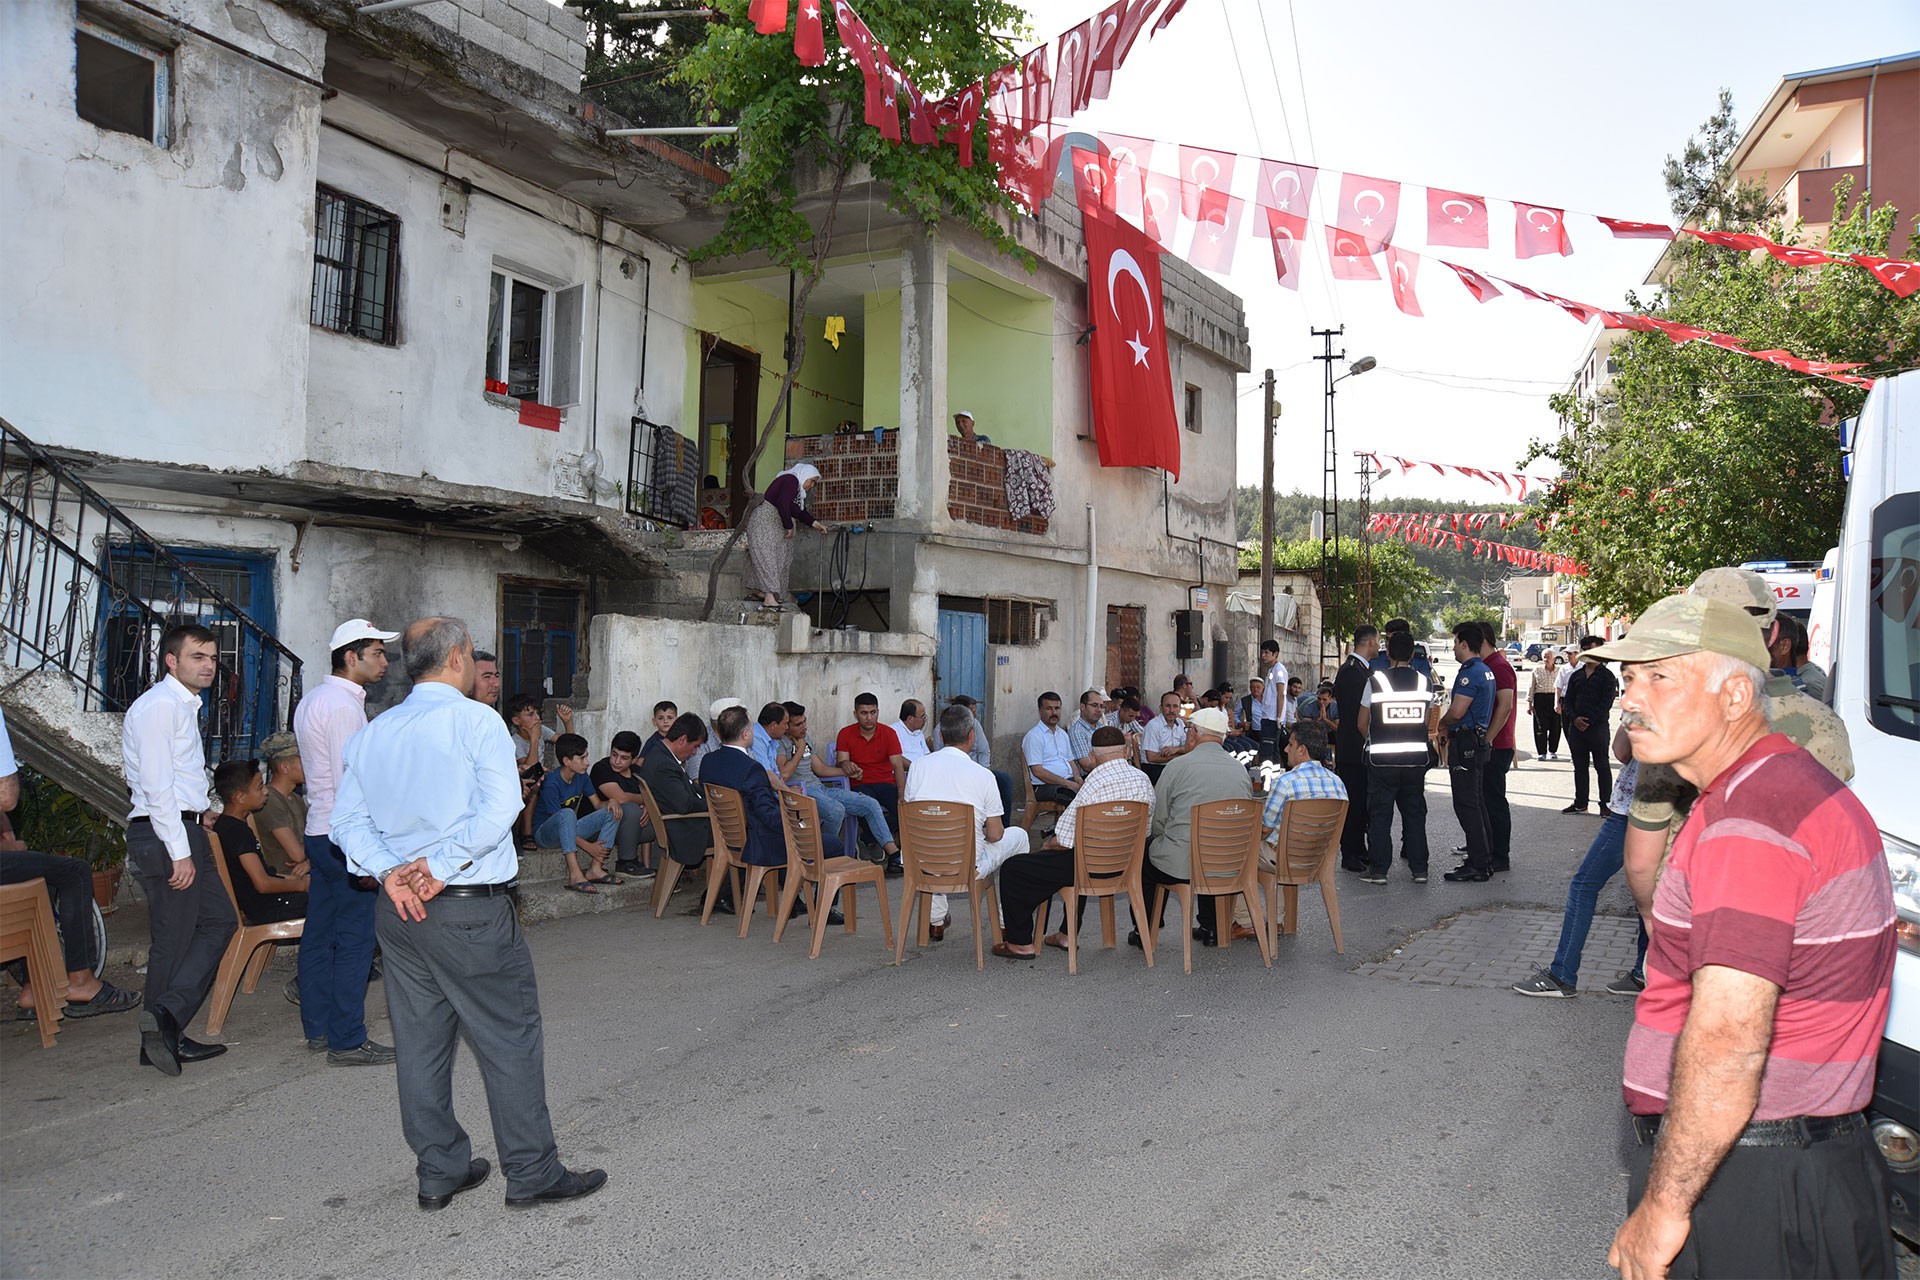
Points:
(1793, 1131)
(479, 890)
(188, 816)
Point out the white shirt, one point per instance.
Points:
(325, 719)
(1164, 735)
(1273, 696)
(1560, 680)
(912, 745)
(165, 761)
(8, 765)
(1049, 749)
(948, 774)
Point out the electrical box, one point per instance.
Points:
(1189, 633)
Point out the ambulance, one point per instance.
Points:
(1793, 583)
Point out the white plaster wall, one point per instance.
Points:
(156, 299)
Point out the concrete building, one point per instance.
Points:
(322, 315)
(1529, 605)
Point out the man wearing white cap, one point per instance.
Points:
(713, 739)
(1201, 775)
(963, 423)
(336, 950)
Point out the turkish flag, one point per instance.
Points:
(1215, 235)
(1021, 159)
(956, 116)
(1036, 88)
(1351, 256)
(1160, 207)
(1369, 207)
(1745, 241)
(1538, 229)
(1796, 256)
(1114, 33)
(1073, 73)
(1402, 269)
(1173, 11)
(1132, 384)
(1286, 231)
(769, 17)
(1206, 176)
(1624, 230)
(1578, 310)
(1285, 188)
(1129, 156)
(809, 38)
(1901, 277)
(1093, 180)
(1457, 219)
(1478, 285)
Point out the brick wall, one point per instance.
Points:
(859, 475)
(977, 490)
(537, 35)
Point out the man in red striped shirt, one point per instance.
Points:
(1752, 1052)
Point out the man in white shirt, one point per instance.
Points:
(1276, 711)
(948, 774)
(1164, 739)
(187, 907)
(1049, 754)
(336, 951)
(911, 729)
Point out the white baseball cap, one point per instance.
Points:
(354, 630)
(1209, 720)
(963, 413)
(721, 704)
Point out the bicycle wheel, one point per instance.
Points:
(99, 941)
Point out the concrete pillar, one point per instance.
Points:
(923, 381)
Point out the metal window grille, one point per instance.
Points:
(663, 474)
(356, 266)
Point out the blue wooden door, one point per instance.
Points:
(961, 660)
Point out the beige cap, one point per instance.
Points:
(1209, 720)
(721, 704)
(1688, 624)
(1741, 588)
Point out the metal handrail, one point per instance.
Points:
(72, 566)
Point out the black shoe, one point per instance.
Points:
(1501, 868)
(1373, 877)
(631, 867)
(895, 867)
(1358, 868)
(194, 1051)
(1420, 876)
(160, 1041)
(724, 907)
(570, 1187)
(834, 916)
(1467, 875)
(1575, 808)
(1205, 937)
(1133, 939)
(476, 1174)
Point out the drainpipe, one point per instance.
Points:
(1872, 82)
(1094, 631)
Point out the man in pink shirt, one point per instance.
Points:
(336, 950)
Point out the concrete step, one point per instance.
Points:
(78, 749)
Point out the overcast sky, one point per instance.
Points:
(1569, 106)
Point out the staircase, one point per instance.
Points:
(85, 595)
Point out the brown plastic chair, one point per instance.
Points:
(809, 865)
(1031, 808)
(248, 954)
(937, 850)
(28, 932)
(1225, 848)
(666, 867)
(1304, 849)
(1109, 842)
(728, 814)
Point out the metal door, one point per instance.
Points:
(961, 662)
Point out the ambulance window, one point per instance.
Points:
(1893, 618)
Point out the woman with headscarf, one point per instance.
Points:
(770, 529)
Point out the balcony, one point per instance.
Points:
(860, 475)
(1808, 194)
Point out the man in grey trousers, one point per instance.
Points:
(427, 807)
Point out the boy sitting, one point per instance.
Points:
(564, 816)
(263, 897)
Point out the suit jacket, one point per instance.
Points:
(675, 792)
(766, 842)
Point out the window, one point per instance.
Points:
(533, 340)
(120, 84)
(1893, 618)
(1008, 621)
(356, 264)
(539, 638)
(1193, 408)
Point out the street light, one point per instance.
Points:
(1330, 484)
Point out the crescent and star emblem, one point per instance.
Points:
(1548, 225)
(1213, 171)
(1124, 263)
(1458, 217)
(1380, 204)
(1288, 175)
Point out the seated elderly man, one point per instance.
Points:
(1204, 773)
(1049, 754)
(950, 774)
(1032, 878)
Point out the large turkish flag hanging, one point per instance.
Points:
(1133, 415)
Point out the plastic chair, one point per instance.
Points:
(248, 954)
(849, 829)
(28, 932)
(1225, 849)
(1109, 843)
(808, 864)
(666, 868)
(937, 850)
(1304, 849)
(1030, 807)
(729, 817)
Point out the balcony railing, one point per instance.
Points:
(87, 593)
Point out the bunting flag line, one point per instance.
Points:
(1412, 530)
(1513, 483)
(1475, 521)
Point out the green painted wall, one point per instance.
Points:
(831, 382)
(882, 377)
(1000, 363)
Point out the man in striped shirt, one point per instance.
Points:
(1752, 1051)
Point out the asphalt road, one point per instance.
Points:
(765, 1115)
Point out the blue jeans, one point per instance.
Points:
(1602, 863)
(564, 828)
(835, 803)
(336, 950)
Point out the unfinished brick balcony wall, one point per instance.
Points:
(977, 489)
(859, 475)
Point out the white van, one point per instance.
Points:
(1874, 685)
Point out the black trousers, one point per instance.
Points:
(1353, 836)
(1590, 744)
(70, 885)
(1403, 787)
(190, 926)
(1466, 763)
(1152, 877)
(1787, 1211)
(1026, 881)
(1493, 786)
(1546, 725)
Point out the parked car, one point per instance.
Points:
(1536, 652)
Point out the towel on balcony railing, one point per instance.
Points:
(1029, 487)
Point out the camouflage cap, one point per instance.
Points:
(279, 746)
(1742, 588)
(1688, 624)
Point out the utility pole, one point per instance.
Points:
(1269, 422)
(1366, 537)
(1329, 502)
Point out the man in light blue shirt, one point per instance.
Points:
(768, 729)
(427, 805)
(1049, 754)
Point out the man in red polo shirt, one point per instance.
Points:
(1752, 1052)
(869, 753)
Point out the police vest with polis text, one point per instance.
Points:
(1397, 725)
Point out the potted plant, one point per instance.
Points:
(52, 819)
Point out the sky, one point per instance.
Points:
(1575, 107)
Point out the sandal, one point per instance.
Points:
(606, 880)
(1006, 952)
(529, 845)
(1057, 946)
(581, 886)
(108, 999)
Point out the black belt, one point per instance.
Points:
(478, 890)
(1794, 1131)
(188, 816)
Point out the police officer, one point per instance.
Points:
(1393, 719)
(1466, 722)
